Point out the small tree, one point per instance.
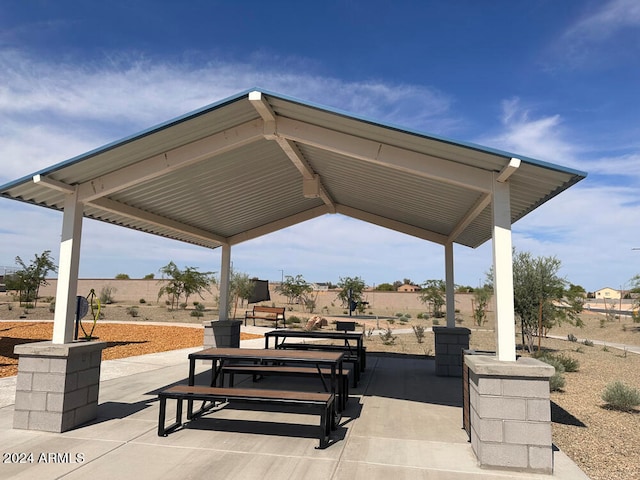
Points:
(28, 280)
(350, 287)
(540, 300)
(432, 294)
(122, 276)
(480, 304)
(240, 288)
(183, 283)
(635, 289)
(295, 289)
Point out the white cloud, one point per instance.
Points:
(50, 112)
(598, 39)
(541, 138)
(607, 20)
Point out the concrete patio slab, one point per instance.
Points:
(401, 422)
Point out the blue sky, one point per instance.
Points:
(557, 81)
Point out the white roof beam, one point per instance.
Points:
(386, 155)
(170, 161)
(54, 184)
(158, 220)
(292, 151)
(483, 202)
(278, 224)
(392, 224)
(508, 170)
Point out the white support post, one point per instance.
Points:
(67, 289)
(503, 272)
(450, 285)
(225, 277)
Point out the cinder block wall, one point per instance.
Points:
(57, 385)
(510, 413)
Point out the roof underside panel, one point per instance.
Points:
(225, 174)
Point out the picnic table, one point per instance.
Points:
(220, 356)
(351, 343)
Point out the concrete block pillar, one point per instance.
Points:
(57, 385)
(450, 342)
(222, 334)
(510, 413)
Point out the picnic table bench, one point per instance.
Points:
(352, 345)
(265, 313)
(257, 370)
(322, 403)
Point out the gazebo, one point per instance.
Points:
(259, 162)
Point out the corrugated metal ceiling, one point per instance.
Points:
(250, 186)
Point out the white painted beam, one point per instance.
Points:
(391, 224)
(138, 214)
(482, 203)
(225, 279)
(508, 170)
(279, 224)
(53, 184)
(170, 161)
(503, 273)
(292, 151)
(450, 291)
(408, 161)
(68, 266)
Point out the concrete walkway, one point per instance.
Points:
(401, 422)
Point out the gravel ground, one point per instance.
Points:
(603, 442)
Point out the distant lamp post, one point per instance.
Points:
(281, 276)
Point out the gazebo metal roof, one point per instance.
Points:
(259, 162)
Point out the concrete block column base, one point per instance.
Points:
(450, 342)
(57, 385)
(510, 413)
(222, 334)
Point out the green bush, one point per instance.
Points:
(557, 380)
(293, 319)
(619, 396)
(132, 311)
(418, 330)
(52, 307)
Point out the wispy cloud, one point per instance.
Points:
(51, 112)
(586, 43)
(540, 137)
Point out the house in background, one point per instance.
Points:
(607, 293)
(407, 287)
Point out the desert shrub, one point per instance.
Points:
(52, 306)
(391, 321)
(557, 380)
(132, 311)
(570, 364)
(605, 348)
(387, 337)
(142, 300)
(9, 306)
(587, 343)
(619, 396)
(420, 315)
(199, 310)
(293, 319)
(106, 294)
(579, 350)
(436, 321)
(399, 314)
(418, 330)
(183, 305)
(572, 338)
(29, 305)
